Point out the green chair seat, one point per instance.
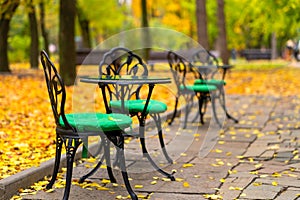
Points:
(199, 87)
(97, 121)
(210, 82)
(137, 105)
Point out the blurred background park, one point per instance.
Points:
(225, 27)
(62, 27)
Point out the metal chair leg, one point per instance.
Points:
(187, 112)
(157, 119)
(223, 104)
(106, 156)
(122, 165)
(59, 143)
(70, 152)
(201, 104)
(108, 163)
(146, 154)
(213, 104)
(85, 148)
(99, 148)
(82, 179)
(175, 111)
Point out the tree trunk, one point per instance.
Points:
(84, 25)
(4, 28)
(34, 38)
(274, 46)
(43, 29)
(67, 54)
(146, 40)
(202, 23)
(5, 18)
(222, 40)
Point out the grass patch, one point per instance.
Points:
(259, 64)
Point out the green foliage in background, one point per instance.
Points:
(250, 23)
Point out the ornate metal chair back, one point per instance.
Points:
(183, 71)
(207, 59)
(122, 61)
(56, 90)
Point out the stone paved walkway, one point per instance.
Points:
(257, 158)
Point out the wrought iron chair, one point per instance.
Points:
(183, 70)
(122, 61)
(74, 128)
(210, 73)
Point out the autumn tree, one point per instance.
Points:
(34, 37)
(146, 40)
(84, 24)
(44, 32)
(67, 54)
(100, 21)
(222, 39)
(7, 10)
(202, 23)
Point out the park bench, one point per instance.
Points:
(156, 57)
(86, 56)
(256, 54)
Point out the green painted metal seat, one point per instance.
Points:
(216, 82)
(97, 121)
(199, 87)
(137, 105)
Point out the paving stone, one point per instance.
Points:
(289, 193)
(176, 196)
(227, 149)
(232, 188)
(261, 192)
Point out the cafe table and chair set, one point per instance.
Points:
(121, 79)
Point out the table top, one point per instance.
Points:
(126, 79)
